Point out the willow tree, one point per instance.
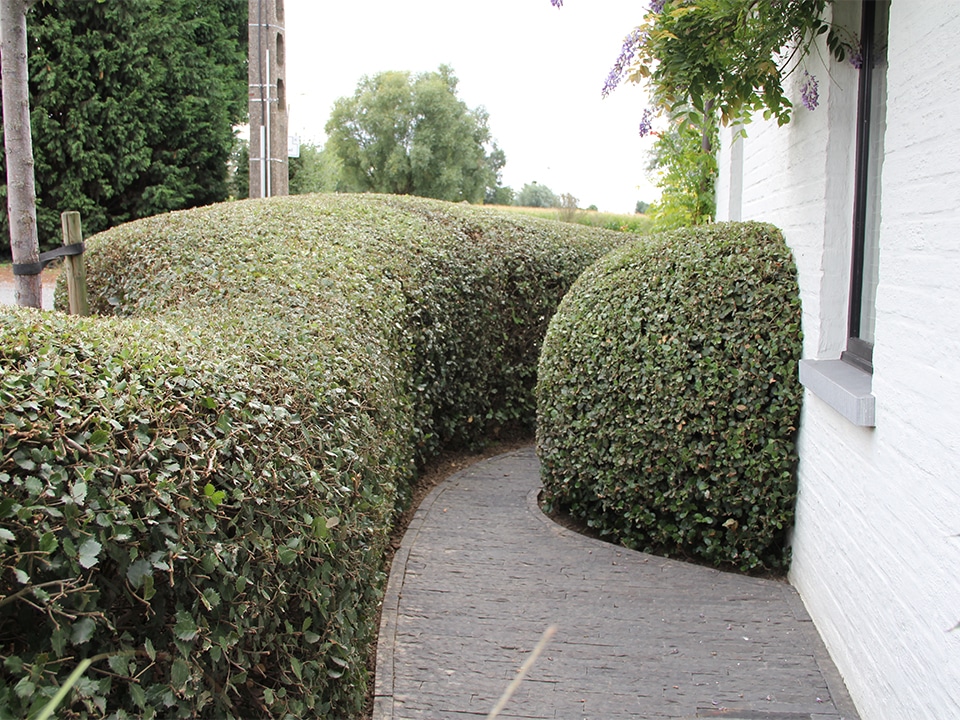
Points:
(412, 135)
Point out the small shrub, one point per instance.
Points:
(668, 398)
(198, 485)
(567, 210)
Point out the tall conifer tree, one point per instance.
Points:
(133, 104)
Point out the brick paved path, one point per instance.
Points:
(482, 573)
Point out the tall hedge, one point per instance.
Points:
(668, 399)
(198, 484)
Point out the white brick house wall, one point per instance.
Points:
(876, 548)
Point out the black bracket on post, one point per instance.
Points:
(47, 258)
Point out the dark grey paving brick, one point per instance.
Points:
(482, 573)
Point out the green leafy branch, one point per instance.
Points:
(706, 62)
(729, 57)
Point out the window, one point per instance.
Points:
(846, 384)
(871, 122)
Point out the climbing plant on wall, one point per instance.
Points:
(705, 62)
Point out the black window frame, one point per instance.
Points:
(859, 352)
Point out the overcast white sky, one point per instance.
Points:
(538, 71)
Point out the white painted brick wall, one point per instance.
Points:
(876, 546)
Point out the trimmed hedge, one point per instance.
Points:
(198, 490)
(668, 398)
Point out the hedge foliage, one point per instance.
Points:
(198, 484)
(668, 398)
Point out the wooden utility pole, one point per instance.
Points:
(268, 100)
(18, 143)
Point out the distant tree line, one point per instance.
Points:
(411, 134)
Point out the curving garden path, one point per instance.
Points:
(482, 573)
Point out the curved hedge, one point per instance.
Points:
(668, 398)
(198, 490)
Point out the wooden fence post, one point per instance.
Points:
(74, 265)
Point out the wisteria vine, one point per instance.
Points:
(755, 32)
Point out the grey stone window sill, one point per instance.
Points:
(843, 387)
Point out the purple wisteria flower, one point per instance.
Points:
(809, 91)
(630, 43)
(857, 58)
(556, 3)
(656, 6)
(646, 123)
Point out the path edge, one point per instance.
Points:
(383, 685)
